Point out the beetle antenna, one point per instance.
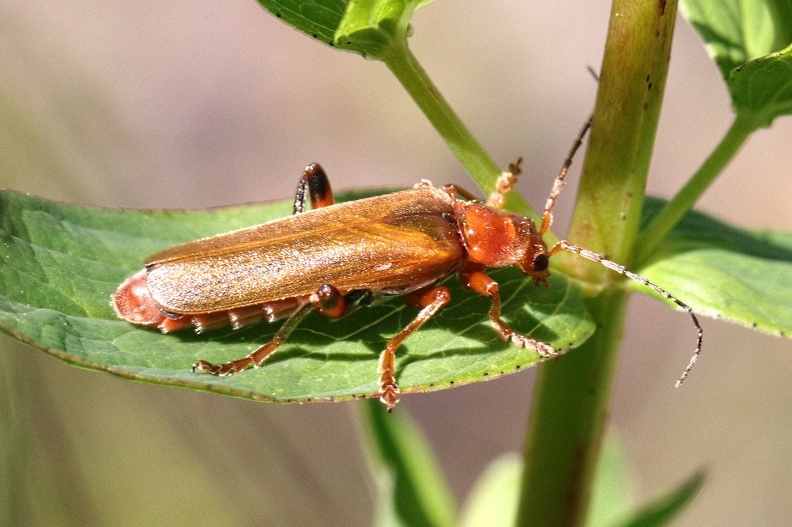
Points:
(558, 184)
(613, 266)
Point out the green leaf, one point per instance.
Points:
(762, 88)
(665, 509)
(412, 490)
(493, 500)
(373, 27)
(612, 496)
(750, 42)
(726, 272)
(60, 264)
(317, 18)
(368, 27)
(738, 31)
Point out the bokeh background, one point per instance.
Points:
(194, 104)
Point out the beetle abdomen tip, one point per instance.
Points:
(133, 303)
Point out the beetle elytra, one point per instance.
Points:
(327, 258)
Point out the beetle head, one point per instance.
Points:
(495, 238)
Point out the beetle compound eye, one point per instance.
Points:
(541, 262)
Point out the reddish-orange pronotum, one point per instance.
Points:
(403, 243)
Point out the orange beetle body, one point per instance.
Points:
(402, 243)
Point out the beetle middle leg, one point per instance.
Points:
(430, 301)
(477, 281)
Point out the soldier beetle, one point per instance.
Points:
(335, 256)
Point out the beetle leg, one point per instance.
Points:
(315, 181)
(327, 300)
(260, 354)
(430, 301)
(475, 279)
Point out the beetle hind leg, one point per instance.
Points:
(478, 282)
(316, 183)
(327, 301)
(430, 301)
(260, 354)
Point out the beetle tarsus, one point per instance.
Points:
(544, 350)
(504, 184)
(389, 396)
(203, 366)
(389, 390)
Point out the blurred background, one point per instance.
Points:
(196, 104)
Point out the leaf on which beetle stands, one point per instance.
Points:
(60, 264)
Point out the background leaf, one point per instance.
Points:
(61, 263)
(493, 500)
(735, 31)
(317, 18)
(721, 271)
(363, 26)
(411, 487)
(750, 43)
(762, 88)
(666, 508)
(612, 496)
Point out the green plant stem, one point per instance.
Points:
(412, 76)
(570, 403)
(673, 211)
(476, 161)
(572, 395)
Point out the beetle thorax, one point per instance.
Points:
(496, 238)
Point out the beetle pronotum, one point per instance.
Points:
(403, 243)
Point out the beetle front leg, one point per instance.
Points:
(430, 301)
(475, 280)
(260, 354)
(315, 181)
